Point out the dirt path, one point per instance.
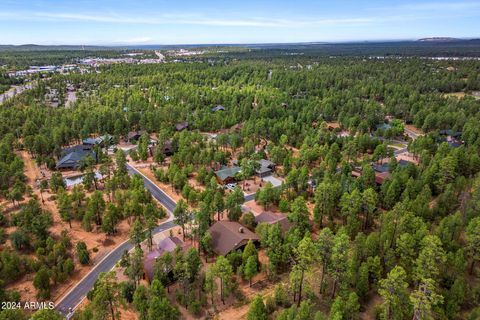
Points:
(94, 240)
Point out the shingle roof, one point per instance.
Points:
(230, 235)
(135, 134)
(166, 245)
(181, 126)
(272, 218)
(265, 166)
(227, 172)
(73, 158)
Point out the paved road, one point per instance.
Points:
(73, 298)
(15, 90)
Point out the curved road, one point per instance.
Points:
(76, 295)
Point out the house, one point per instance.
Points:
(218, 108)
(133, 136)
(453, 137)
(450, 133)
(71, 157)
(228, 236)
(383, 126)
(102, 140)
(403, 163)
(269, 217)
(167, 148)
(266, 168)
(226, 174)
(181, 126)
(380, 176)
(384, 167)
(169, 244)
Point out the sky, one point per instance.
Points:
(141, 22)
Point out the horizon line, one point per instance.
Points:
(113, 45)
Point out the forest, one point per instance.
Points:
(408, 247)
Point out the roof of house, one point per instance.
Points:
(265, 166)
(135, 134)
(383, 126)
(218, 108)
(230, 235)
(272, 218)
(451, 133)
(181, 126)
(166, 245)
(380, 177)
(76, 148)
(71, 157)
(228, 172)
(384, 167)
(403, 163)
(454, 143)
(97, 140)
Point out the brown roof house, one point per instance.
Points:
(270, 217)
(230, 235)
(167, 148)
(133, 136)
(169, 244)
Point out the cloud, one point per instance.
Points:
(184, 20)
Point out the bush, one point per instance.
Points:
(19, 239)
(128, 289)
(280, 296)
(195, 308)
(82, 253)
(270, 304)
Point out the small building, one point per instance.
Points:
(403, 163)
(102, 140)
(181, 126)
(169, 244)
(266, 168)
(218, 108)
(167, 148)
(227, 174)
(381, 177)
(228, 236)
(269, 217)
(134, 136)
(450, 133)
(71, 157)
(383, 126)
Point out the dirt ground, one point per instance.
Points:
(414, 128)
(95, 241)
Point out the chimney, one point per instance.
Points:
(240, 229)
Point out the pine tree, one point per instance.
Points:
(257, 309)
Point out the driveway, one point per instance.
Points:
(274, 181)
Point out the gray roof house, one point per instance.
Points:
(98, 140)
(266, 168)
(218, 108)
(71, 157)
(181, 126)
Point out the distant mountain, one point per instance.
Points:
(36, 47)
(440, 39)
